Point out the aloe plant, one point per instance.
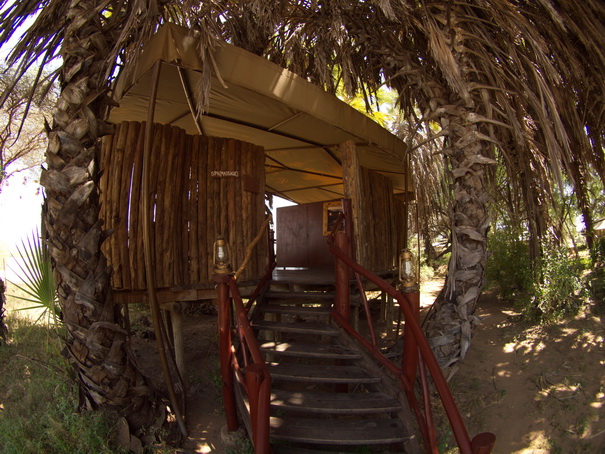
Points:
(37, 279)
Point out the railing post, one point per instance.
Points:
(410, 345)
(258, 398)
(224, 332)
(342, 302)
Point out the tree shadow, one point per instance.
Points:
(535, 387)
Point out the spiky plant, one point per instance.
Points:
(37, 282)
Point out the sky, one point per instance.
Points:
(20, 206)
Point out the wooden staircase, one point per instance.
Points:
(326, 394)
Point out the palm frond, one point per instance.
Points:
(36, 275)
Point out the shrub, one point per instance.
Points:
(557, 288)
(598, 251)
(508, 267)
(596, 286)
(426, 273)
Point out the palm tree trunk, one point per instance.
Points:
(450, 323)
(96, 344)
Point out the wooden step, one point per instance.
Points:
(314, 329)
(304, 350)
(295, 310)
(334, 403)
(302, 296)
(289, 448)
(359, 432)
(320, 373)
(286, 448)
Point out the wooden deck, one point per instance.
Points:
(319, 276)
(305, 276)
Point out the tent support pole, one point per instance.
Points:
(190, 100)
(149, 269)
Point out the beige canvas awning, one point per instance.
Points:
(298, 124)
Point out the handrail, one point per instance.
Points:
(366, 308)
(253, 374)
(261, 284)
(244, 324)
(465, 445)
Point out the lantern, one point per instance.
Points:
(407, 269)
(221, 257)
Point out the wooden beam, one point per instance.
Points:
(167, 297)
(353, 189)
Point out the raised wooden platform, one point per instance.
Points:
(169, 296)
(320, 276)
(305, 276)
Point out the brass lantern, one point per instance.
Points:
(408, 277)
(221, 257)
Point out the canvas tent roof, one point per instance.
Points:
(297, 123)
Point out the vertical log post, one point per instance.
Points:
(176, 317)
(342, 303)
(355, 206)
(410, 346)
(224, 332)
(258, 388)
(264, 416)
(383, 307)
(150, 253)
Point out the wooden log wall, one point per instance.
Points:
(377, 214)
(201, 187)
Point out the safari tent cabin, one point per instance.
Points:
(263, 131)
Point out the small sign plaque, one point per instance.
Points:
(224, 173)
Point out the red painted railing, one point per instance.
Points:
(248, 367)
(245, 363)
(425, 359)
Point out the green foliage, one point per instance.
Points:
(22, 124)
(426, 272)
(215, 377)
(596, 287)
(508, 267)
(598, 251)
(36, 274)
(379, 105)
(556, 290)
(552, 290)
(243, 446)
(38, 408)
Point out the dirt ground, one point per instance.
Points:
(204, 414)
(539, 390)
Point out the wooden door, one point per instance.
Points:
(300, 239)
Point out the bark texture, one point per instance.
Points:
(450, 325)
(97, 344)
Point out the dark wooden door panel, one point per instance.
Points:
(300, 240)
